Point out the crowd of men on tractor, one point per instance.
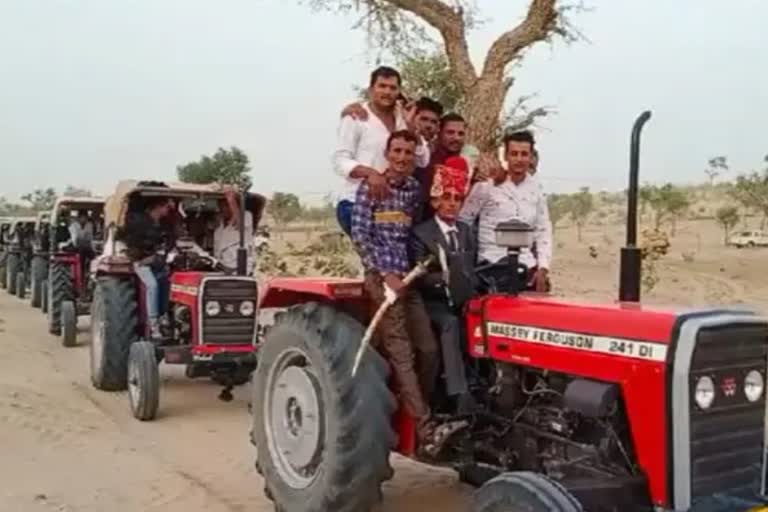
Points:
(413, 189)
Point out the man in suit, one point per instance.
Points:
(451, 281)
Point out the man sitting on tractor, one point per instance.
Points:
(520, 197)
(450, 280)
(146, 238)
(380, 231)
(226, 237)
(81, 238)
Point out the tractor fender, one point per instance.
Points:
(283, 292)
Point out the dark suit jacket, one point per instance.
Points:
(426, 238)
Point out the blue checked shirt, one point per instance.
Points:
(381, 229)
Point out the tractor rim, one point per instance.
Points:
(134, 387)
(294, 419)
(97, 337)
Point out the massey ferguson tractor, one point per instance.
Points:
(68, 287)
(614, 407)
(19, 255)
(41, 242)
(209, 320)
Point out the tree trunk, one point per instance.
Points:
(578, 231)
(484, 102)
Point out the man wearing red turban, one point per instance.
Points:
(451, 280)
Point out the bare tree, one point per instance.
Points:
(399, 25)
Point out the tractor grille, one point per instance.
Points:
(229, 327)
(727, 440)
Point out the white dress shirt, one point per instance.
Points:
(363, 143)
(447, 229)
(226, 241)
(525, 202)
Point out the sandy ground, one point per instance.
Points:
(65, 446)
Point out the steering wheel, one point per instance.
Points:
(489, 280)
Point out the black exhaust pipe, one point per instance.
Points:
(242, 252)
(631, 261)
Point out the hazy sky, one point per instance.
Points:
(92, 91)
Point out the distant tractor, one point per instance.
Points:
(5, 226)
(19, 255)
(68, 288)
(40, 252)
(208, 318)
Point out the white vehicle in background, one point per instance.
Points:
(749, 239)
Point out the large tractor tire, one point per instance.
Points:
(37, 278)
(68, 323)
(12, 265)
(323, 437)
(113, 330)
(60, 289)
(524, 491)
(143, 381)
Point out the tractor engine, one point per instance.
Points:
(552, 423)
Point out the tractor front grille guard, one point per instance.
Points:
(228, 311)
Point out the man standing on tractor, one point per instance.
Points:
(381, 230)
(146, 237)
(359, 156)
(519, 197)
(226, 236)
(451, 280)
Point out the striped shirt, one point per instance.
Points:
(381, 229)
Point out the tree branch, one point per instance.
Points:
(451, 25)
(539, 24)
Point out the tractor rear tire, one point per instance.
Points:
(37, 278)
(44, 296)
(11, 270)
(323, 437)
(524, 491)
(21, 285)
(143, 381)
(60, 288)
(114, 314)
(68, 324)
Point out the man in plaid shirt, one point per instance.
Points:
(381, 231)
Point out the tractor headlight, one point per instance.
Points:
(246, 308)
(212, 308)
(754, 385)
(705, 392)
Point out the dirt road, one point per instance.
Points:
(67, 447)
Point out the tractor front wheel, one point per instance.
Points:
(3, 267)
(323, 437)
(113, 331)
(21, 285)
(60, 289)
(37, 278)
(143, 381)
(44, 296)
(11, 271)
(68, 324)
(524, 491)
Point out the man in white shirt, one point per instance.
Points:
(519, 197)
(226, 236)
(361, 144)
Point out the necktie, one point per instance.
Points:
(453, 241)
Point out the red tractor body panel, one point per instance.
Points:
(282, 292)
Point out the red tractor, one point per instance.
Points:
(613, 407)
(210, 315)
(68, 289)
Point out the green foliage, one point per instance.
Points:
(580, 205)
(284, 207)
(559, 207)
(668, 202)
(717, 165)
(40, 199)
(727, 217)
(9, 209)
(751, 190)
(226, 166)
(429, 74)
(72, 191)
